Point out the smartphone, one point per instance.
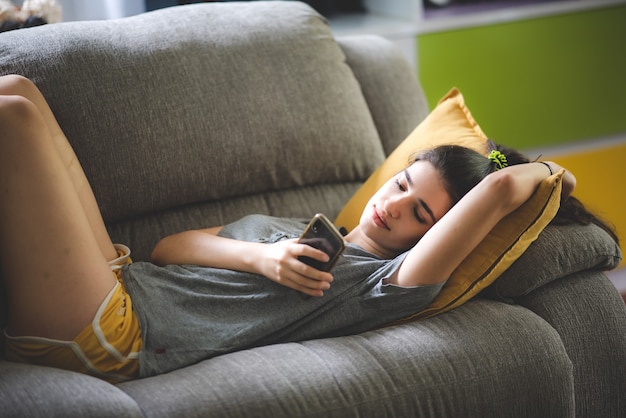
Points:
(320, 233)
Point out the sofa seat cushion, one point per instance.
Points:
(447, 366)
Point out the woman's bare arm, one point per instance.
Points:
(278, 262)
(449, 241)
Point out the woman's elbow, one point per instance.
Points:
(569, 184)
(503, 187)
(159, 252)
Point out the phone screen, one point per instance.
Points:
(322, 234)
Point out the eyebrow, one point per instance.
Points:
(419, 200)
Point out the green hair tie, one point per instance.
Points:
(498, 158)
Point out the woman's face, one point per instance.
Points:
(404, 208)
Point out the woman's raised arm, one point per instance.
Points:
(460, 230)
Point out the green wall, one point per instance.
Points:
(535, 82)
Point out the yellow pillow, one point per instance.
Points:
(449, 123)
(501, 247)
(452, 123)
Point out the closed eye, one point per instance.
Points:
(428, 211)
(400, 185)
(418, 217)
(421, 202)
(416, 214)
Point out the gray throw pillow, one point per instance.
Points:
(557, 252)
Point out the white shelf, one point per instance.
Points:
(369, 23)
(461, 17)
(399, 18)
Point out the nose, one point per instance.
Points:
(395, 205)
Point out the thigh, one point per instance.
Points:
(54, 271)
(20, 86)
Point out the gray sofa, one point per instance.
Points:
(197, 115)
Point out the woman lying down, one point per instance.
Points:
(83, 306)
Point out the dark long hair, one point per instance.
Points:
(462, 168)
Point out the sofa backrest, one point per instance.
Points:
(196, 115)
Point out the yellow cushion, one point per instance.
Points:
(500, 248)
(452, 123)
(449, 123)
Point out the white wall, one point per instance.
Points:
(100, 9)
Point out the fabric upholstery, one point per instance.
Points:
(243, 121)
(589, 330)
(570, 248)
(142, 233)
(42, 392)
(452, 359)
(388, 76)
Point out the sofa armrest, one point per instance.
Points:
(560, 250)
(590, 317)
(37, 391)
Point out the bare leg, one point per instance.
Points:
(20, 86)
(54, 269)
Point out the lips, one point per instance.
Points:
(378, 219)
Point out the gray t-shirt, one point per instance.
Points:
(190, 313)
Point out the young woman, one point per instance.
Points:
(218, 290)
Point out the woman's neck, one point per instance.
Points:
(356, 237)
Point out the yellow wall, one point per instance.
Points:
(601, 182)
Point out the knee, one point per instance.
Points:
(20, 127)
(17, 85)
(16, 112)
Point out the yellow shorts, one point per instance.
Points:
(107, 348)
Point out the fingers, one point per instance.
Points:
(303, 250)
(290, 271)
(304, 278)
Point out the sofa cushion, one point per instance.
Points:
(181, 107)
(395, 98)
(568, 249)
(590, 317)
(36, 391)
(448, 366)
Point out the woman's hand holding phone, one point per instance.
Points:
(304, 264)
(320, 233)
(282, 264)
